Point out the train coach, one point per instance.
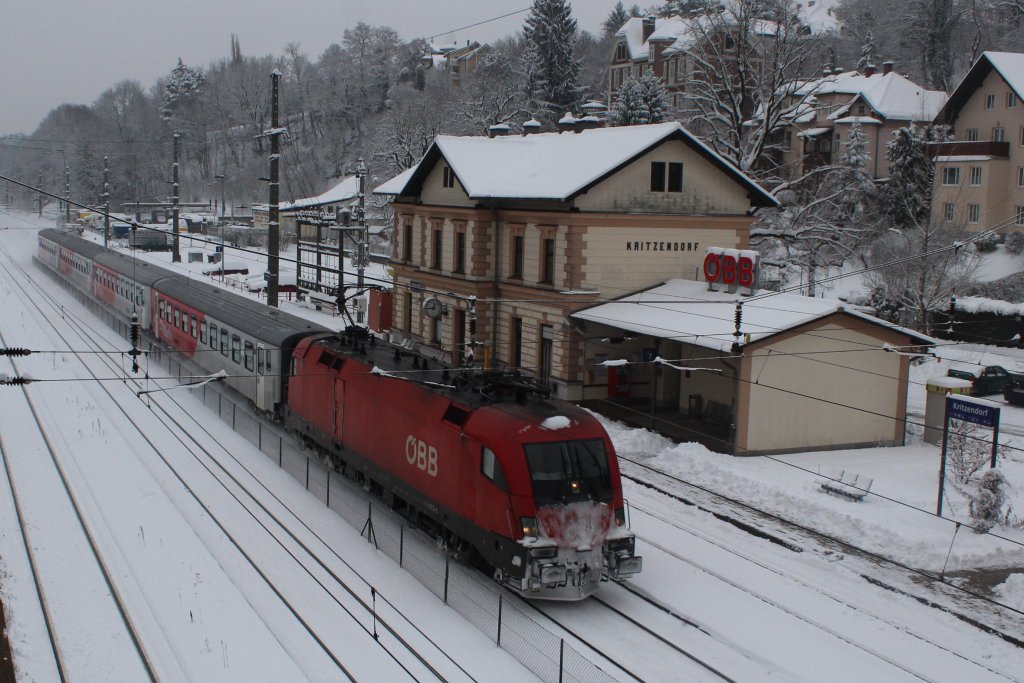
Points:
(523, 485)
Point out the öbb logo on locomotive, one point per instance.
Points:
(421, 455)
(530, 488)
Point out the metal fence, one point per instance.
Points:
(548, 656)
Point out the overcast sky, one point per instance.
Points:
(57, 51)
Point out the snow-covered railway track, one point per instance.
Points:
(33, 464)
(281, 528)
(888, 643)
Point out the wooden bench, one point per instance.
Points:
(848, 485)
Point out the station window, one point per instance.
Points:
(249, 355)
(236, 348)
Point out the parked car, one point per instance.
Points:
(986, 380)
(1014, 391)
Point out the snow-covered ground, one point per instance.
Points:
(207, 614)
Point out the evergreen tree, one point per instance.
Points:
(552, 70)
(640, 100)
(908, 194)
(617, 17)
(183, 83)
(867, 52)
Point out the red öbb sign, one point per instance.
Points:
(731, 269)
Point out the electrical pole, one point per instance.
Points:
(273, 237)
(106, 201)
(67, 195)
(362, 249)
(39, 197)
(176, 257)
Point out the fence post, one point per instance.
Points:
(328, 488)
(401, 545)
(501, 606)
(234, 409)
(447, 564)
(307, 473)
(280, 451)
(561, 659)
(259, 434)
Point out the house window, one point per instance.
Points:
(973, 213)
(990, 101)
(947, 210)
(547, 344)
(438, 247)
(620, 52)
(1022, 136)
(972, 134)
(515, 351)
(666, 176)
(1011, 100)
(460, 252)
(951, 175)
(998, 134)
(407, 242)
(517, 257)
(975, 175)
(547, 266)
(1020, 176)
(449, 177)
(1019, 211)
(860, 109)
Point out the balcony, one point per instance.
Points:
(958, 148)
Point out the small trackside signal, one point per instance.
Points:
(15, 352)
(135, 332)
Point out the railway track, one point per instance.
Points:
(37, 535)
(372, 615)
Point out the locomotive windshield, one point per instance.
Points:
(567, 471)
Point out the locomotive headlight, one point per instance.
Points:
(575, 486)
(620, 517)
(529, 525)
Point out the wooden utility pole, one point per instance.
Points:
(106, 201)
(176, 256)
(363, 247)
(67, 195)
(273, 237)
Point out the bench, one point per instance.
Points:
(717, 414)
(848, 485)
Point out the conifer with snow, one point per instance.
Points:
(183, 83)
(989, 499)
(617, 17)
(868, 52)
(639, 101)
(552, 69)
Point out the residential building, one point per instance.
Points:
(826, 109)
(455, 61)
(498, 240)
(979, 176)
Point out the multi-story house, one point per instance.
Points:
(979, 176)
(516, 232)
(826, 109)
(455, 61)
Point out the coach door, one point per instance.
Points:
(264, 380)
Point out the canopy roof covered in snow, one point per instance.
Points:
(346, 190)
(553, 166)
(686, 311)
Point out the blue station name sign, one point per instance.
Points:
(968, 411)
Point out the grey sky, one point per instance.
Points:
(57, 51)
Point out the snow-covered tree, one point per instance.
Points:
(750, 62)
(987, 504)
(491, 94)
(181, 87)
(551, 67)
(617, 17)
(827, 217)
(639, 101)
(908, 194)
(868, 52)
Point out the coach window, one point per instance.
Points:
(249, 350)
(236, 348)
(213, 336)
(160, 307)
(202, 333)
(261, 360)
(177, 318)
(491, 468)
(223, 341)
(194, 326)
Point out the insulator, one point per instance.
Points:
(15, 381)
(15, 352)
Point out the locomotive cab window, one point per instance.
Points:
(491, 468)
(569, 470)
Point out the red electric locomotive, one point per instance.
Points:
(526, 485)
